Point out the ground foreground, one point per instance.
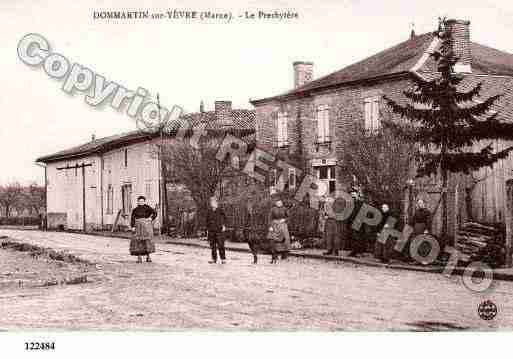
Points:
(180, 290)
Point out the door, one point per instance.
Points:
(126, 197)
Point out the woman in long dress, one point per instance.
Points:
(279, 230)
(142, 223)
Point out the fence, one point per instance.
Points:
(303, 221)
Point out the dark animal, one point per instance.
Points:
(258, 242)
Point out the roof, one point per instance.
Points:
(399, 60)
(243, 125)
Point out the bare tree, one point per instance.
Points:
(36, 198)
(9, 196)
(196, 167)
(380, 162)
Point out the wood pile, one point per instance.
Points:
(482, 242)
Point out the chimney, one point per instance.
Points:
(460, 33)
(303, 73)
(223, 112)
(202, 106)
(93, 137)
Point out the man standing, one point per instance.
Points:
(357, 237)
(216, 225)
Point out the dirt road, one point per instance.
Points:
(180, 290)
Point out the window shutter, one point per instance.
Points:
(323, 127)
(326, 124)
(320, 125)
(368, 114)
(375, 114)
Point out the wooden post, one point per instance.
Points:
(507, 218)
(507, 208)
(83, 199)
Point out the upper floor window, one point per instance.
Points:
(282, 134)
(147, 191)
(323, 123)
(126, 157)
(371, 105)
(110, 199)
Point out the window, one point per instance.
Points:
(126, 195)
(292, 178)
(371, 105)
(126, 157)
(323, 124)
(282, 129)
(148, 190)
(110, 199)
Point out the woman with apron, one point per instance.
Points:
(142, 223)
(278, 230)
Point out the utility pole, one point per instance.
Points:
(162, 182)
(76, 167)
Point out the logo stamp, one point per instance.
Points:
(487, 310)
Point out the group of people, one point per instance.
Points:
(338, 235)
(278, 235)
(343, 235)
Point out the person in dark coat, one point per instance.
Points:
(249, 230)
(141, 223)
(421, 223)
(216, 225)
(384, 251)
(358, 243)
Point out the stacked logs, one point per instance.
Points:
(482, 242)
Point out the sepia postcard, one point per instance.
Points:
(177, 170)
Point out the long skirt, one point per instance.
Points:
(142, 243)
(281, 237)
(332, 234)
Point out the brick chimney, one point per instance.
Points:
(223, 112)
(460, 32)
(303, 73)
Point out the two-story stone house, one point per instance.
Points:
(309, 123)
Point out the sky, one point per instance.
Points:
(192, 61)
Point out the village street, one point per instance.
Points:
(180, 290)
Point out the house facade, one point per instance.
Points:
(117, 170)
(309, 124)
(95, 185)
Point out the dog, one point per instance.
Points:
(259, 242)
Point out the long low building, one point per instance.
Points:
(95, 185)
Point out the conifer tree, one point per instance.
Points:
(453, 128)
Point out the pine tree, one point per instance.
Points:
(448, 123)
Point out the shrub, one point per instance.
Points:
(19, 221)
